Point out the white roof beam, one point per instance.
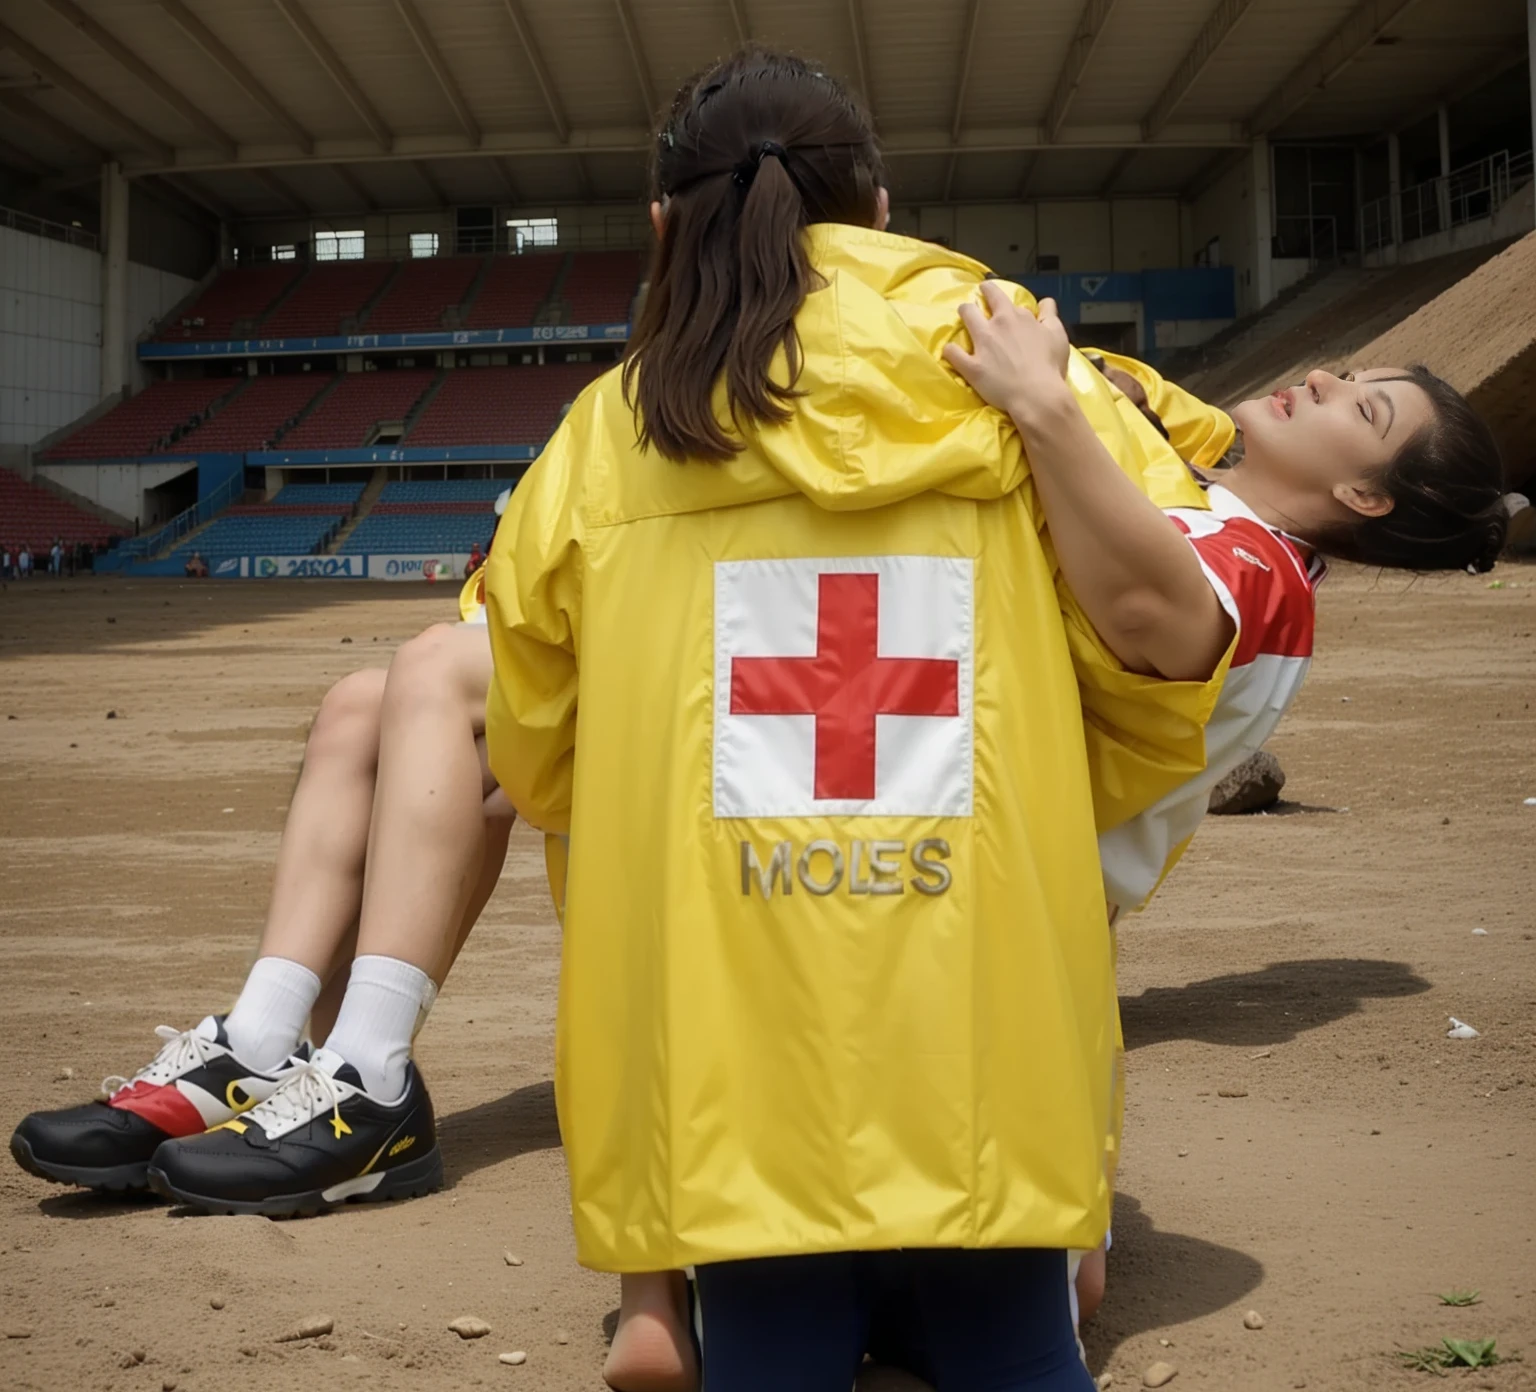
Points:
(1086, 38)
(541, 75)
(328, 59)
(284, 192)
(963, 81)
(438, 192)
(216, 49)
(1213, 33)
(359, 190)
(35, 116)
(427, 46)
(121, 54)
(1116, 173)
(194, 192)
(861, 50)
(633, 140)
(72, 87)
(1360, 29)
(739, 21)
(643, 78)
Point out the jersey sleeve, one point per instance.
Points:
(1260, 581)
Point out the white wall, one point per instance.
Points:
(50, 334)
(120, 487)
(1225, 210)
(50, 330)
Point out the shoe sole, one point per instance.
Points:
(413, 1181)
(104, 1179)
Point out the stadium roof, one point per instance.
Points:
(257, 108)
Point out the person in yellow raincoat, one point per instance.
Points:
(836, 974)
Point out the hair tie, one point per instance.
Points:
(746, 171)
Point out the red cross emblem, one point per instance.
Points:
(846, 685)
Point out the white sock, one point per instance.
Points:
(377, 1019)
(427, 1002)
(268, 1020)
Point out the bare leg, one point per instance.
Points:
(1090, 1285)
(652, 1349)
(318, 889)
(427, 842)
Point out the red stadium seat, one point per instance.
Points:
(422, 293)
(257, 416)
(601, 286)
(362, 400)
(141, 424)
(513, 290)
(329, 294)
(501, 405)
(233, 303)
(33, 516)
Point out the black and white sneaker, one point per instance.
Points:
(320, 1140)
(194, 1082)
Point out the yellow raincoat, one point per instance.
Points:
(901, 1035)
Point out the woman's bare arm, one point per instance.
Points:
(1138, 580)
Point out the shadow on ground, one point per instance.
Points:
(1270, 1006)
(516, 1124)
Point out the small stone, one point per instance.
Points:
(1253, 785)
(514, 1359)
(1445, 821)
(1479, 932)
(1232, 1092)
(561, 1337)
(1183, 1155)
(1529, 802)
(346, 640)
(468, 1327)
(110, 619)
(138, 1355)
(18, 1333)
(112, 714)
(1160, 1374)
(1375, 1130)
(511, 1260)
(1104, 1380)
(167, 1385)
(64, 1075)
(1253, 1319)
(315, 1327)
(247, 1350)
(216, 1302)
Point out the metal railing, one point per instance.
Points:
(1469, 194)
(41, 227)
(179, 526)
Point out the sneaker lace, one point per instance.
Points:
(182, 1049)
(305, 1091)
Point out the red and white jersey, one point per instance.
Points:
(1268, 586)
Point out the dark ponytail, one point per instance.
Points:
(1446, 487)
(754, 150)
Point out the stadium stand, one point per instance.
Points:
(423, 293)
(327, 296)
(146, 423)
(298, 522)
(361, 401)
(317, 495)
(33, 516)
(501, 405)
(600, 286)
(233, 303)
(429, 517)
(513, 290)
(256, 417)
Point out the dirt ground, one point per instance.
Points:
(1302, 1138)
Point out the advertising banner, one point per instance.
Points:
(434, 567)
(308, 567)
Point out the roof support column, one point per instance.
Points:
(1395, 186)
(1263, 223)
(114, 279)
(1443, 187)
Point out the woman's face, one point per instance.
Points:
(1333, 435)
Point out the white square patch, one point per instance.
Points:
(843, 686)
